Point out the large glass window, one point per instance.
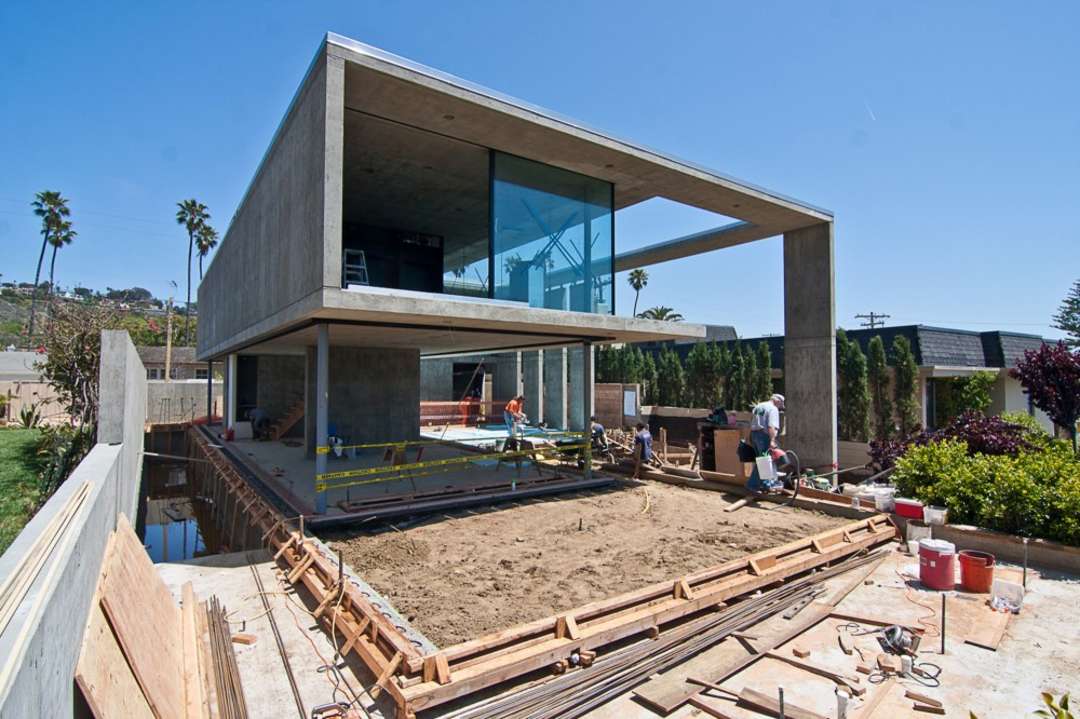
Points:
(553, 235)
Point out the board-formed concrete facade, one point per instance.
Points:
(276, 284)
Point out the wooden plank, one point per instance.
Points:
(193, 691)
(145, 621)
(851, 682)
(771, 706)
(988, 629)
(922, 698)
(876, 698)
(667, 693)
(709, 709)
(387, 675)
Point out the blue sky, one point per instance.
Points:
(945, 137)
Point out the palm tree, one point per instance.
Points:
(62, 235)
(638, 279)
(661, 313)
(205, 241)
(52, 208)
(192, 214)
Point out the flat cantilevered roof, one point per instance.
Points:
(385, 85)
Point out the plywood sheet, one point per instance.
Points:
(146, 623)
(104, 676)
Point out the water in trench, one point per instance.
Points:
(176, 521)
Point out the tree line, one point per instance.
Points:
(732, 375)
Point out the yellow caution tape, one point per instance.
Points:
(428, 442)
(401, 471)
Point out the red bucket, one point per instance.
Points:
(937, 564)
(976, 571)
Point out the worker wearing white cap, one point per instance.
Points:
(764, 426)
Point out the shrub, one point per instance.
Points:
(1035, 493)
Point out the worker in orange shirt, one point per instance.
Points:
(514, 413)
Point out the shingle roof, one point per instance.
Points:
(932, 346)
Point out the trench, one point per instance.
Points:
(186, 509)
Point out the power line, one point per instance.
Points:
(874, 319)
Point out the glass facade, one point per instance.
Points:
(553, 236)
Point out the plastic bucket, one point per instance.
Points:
(937, 564)
(976, 571)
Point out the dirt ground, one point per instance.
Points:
(474, 572)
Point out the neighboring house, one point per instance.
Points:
(21, 385)
(402, 213)
(183, 364)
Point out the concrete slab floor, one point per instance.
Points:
(289, 468)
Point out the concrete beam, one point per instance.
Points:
(810, 344)
(736, 233)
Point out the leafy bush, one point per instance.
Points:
(1034, 493)
(60, 450)
(30, 416)
(982, 435)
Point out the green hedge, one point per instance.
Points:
(1036, 493)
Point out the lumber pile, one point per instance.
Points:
(136, 639)
(576, 693)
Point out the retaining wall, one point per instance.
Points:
(41, 643)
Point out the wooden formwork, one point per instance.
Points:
(417, 681)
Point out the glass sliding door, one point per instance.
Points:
(553, 232)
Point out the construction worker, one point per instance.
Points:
(764, 427)
(642, 448)
(260, 423)
(514, 414)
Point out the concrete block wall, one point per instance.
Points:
(374, 394)
(280, 385)
(437, 380)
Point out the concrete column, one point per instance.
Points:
(532, 380)
(555, 387)
(322, 409)
(309, 402)
(810, 344)
(580, 402)
(587, 402)
(230, 391)
(209, 391)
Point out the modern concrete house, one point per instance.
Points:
(401, 213)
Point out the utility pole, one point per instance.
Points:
(875, 319)
(168, 339)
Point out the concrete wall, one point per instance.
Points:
(280, 386)
(555, 409)
(810, 344)
(40, 646)
(374, 394)
(122, 409)
(437, 380)
(180, 400)
(273, 252)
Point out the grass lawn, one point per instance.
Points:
(18, 481)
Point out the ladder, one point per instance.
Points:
(354, 268)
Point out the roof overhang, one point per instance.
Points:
(395, 88)
(438, 324)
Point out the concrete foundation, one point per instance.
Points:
(810, 344)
